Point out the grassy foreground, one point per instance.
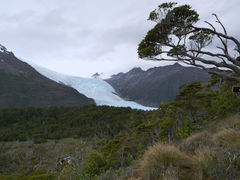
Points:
(210, 154)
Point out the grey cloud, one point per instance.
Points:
(21, 17)
(81, 31)
(111, 38)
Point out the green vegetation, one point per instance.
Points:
(40, 124)
(118, 143)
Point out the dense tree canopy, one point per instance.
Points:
(177, 37)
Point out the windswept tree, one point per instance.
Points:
(177, 37)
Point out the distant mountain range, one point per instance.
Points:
(156, 85)
(22, 86)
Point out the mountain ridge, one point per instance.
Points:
(22, 86)
(155, 85)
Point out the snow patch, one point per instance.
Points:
(3, 49)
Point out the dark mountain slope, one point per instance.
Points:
(21, 86)
(156, 85)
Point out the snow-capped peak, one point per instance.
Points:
(3, 49)
(96, 75)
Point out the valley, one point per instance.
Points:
(95, 88)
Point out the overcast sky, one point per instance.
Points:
(81, 37)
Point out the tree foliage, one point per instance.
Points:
(41, 124)
(176, 37)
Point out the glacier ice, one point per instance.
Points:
(95, 88)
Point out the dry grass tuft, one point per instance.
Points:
(196, 141)
(167, 162)
(211, 154)
(227, 137)
(201, 155)
(232, 122)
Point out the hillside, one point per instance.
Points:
(194, 137)
(22, 86)
(210, 154)
(156, 85)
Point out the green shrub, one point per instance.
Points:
(95, 163)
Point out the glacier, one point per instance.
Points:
(95, 88)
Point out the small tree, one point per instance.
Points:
(176, 37)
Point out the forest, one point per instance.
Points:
(116, 143)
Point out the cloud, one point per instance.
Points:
(80, 37)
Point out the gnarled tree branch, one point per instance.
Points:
(186, 43)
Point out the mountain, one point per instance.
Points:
(22, 86)
(156, 85)
(94, 88)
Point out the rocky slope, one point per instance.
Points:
(22, 86)
(156, 85)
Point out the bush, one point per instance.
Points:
(166, 162)
(220, 164)
(95, 163)
(196, 141)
